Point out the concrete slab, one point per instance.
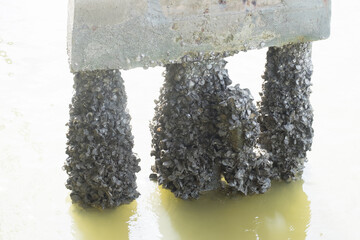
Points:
(124, 34)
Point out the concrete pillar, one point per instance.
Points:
(204, 129)
(100, 164)
(286, 113)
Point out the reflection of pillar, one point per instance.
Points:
(95, 225)
(286, 113)
(282, 213)
(203, 128)
(101, 164)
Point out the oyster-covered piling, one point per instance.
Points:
(286, 114)
(184, 134)
(204, 129)
(100, 164)
(245, 167)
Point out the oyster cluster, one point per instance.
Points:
(206, 134)
(203, 130)
(285, 110)
(100, 164)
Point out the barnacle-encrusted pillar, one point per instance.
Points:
(245, 167)
(203, 129)
(100, 164)
(286, 114)
(184, 135)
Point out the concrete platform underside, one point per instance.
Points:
(123, 34)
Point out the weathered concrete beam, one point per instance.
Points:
(123, 34)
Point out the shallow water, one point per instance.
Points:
(36, 88)
(282, 213)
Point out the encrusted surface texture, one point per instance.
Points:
(100, 164)
(204, 129)
(286, 115)
(245, 167)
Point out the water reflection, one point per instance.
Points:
(93, 224)
(282, 213)
(3, 53)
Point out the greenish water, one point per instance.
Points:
(36, 88)
(282, 213)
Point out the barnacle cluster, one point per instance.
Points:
(206, 134)
(100, 164)
(285, 110)
(204, 129)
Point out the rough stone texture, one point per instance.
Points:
(123, 34)
(286, 114)
(100, 164)
(202, 129)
